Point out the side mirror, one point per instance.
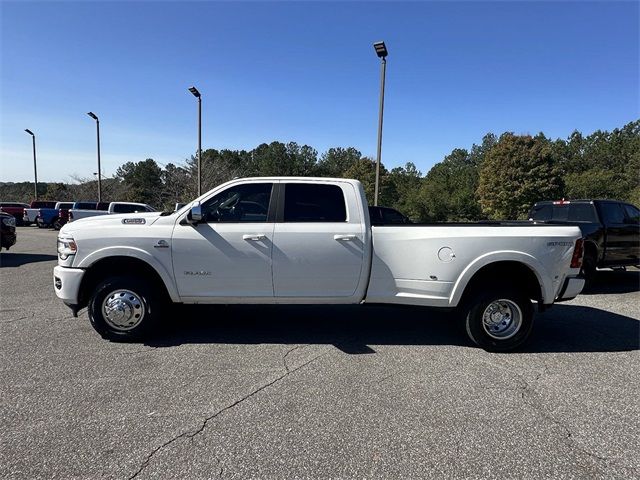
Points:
(195, 214)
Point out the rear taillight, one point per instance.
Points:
(578, 252)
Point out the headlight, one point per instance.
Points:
(66, 247)
(9, 221)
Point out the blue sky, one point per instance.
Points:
(304, 72)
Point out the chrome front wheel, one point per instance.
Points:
(123, 310)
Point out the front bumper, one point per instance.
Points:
(66, 284)
(8, 239)
(570, 289)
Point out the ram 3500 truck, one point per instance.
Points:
(310, 241)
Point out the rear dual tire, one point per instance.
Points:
(499, 320)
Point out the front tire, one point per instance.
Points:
(499, 320)
(124, 309)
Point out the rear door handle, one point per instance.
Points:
(254, 237)
(344, 238)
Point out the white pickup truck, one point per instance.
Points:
(113, 208)
(310, 241)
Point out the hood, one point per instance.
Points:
(114, 220)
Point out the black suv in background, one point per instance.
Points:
(7, 230)
(611, 229)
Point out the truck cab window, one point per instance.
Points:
(242, 203)
(309, 202)
(633, 214)
(613, 213)
(125, 208)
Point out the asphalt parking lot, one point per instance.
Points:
(314, 392)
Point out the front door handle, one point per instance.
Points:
(344, 238)
(254, 237)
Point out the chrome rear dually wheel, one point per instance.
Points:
(499, 319)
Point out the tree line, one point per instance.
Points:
(498, 178)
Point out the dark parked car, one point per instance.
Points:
(611, 229)
(7, 230)
(14, 208)
(386, 216)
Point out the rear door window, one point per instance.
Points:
(633, 214)
(613, 213)
(309, 202)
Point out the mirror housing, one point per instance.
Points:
(195, 214)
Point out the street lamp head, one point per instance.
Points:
(93, 115)
(381, 49)
(195, 92)
(29, 132)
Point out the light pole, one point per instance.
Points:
(35, 168)
(381, 51)
(196, 94)
(94, 116)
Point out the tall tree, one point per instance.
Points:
(337, 160)
(518, 171)
(143, 181)
(449, 190)
(406, 182)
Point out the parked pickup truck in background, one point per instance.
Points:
(14, 208)
(611, 230)
(51, 217)
(310, 241)
(107, 209)
(31, 213)
(79, 209)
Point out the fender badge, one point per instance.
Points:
(134, 221)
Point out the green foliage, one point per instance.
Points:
(604, 164)
(58, 191)
(405, 188)
(336, 161)
(498, 178)
(142, 180)
(518, 171)
(449, 190)
(22, 191)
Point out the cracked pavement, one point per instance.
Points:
(308, 392)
